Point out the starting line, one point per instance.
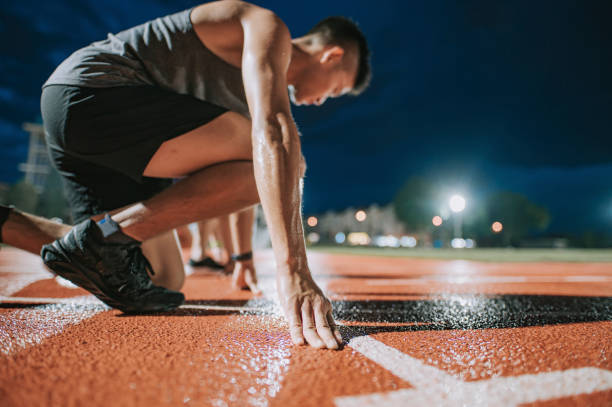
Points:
(434, 387)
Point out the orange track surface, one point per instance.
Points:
(444, 332)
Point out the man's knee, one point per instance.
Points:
(164, 254)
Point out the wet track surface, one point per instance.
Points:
(417, 332)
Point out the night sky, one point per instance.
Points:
(478, 95)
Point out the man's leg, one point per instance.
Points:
(200, 241)
(215, 161)
(225, 236)
(164, 254)
(29, 232)
(105, 257)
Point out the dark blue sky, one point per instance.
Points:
(480, 94)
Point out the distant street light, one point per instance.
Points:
(360, 216)
(312, 221)
(497, 227)
(457, 205)
(437, 220)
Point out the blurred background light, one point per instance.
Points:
(312, 221)
(458, 243)
(340, 237)
(408, 241)
(360, 216)
(359, 239)
(437, 220)
(497, 227)
(313, 237)
(457, 203)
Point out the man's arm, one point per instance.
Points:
(276, 159)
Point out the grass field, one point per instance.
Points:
(480, 254)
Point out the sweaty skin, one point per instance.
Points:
(259, 42)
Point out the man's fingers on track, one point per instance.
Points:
(323, 328)
(310, 333)
(295, 323)
(296, 335)
(334, 328)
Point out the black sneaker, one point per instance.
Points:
(110, 265)
(208, 262)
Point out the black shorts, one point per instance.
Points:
(101, 140)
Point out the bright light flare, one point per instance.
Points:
(497, 227)
(340, 237)
(437, 221)
(457, 203)
(312, 221)
(360, 216)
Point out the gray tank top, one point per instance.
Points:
(165, 52)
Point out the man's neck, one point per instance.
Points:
(299, 59)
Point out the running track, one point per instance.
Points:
(418, 332)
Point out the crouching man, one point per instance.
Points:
(200, 95)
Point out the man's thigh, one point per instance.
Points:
(225, 138)
(164, 254)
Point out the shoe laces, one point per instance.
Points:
(136, 278)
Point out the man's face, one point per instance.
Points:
(332, 76)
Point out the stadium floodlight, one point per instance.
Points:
(457, 203)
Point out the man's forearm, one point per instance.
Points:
(276, 159)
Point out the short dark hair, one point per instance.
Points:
(340, 30)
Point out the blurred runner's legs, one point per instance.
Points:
(211, 244)
(236, 233)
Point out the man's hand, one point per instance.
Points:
(244, 276)
(308, 311)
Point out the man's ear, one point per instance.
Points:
(332, 54)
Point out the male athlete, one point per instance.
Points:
(199, 95)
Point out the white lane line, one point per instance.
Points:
(434, 387)
(90, 299)
(488, 280)
(11, 285)
(85, 299)
(22, 328)
(220, 308)
(403, 366)
(19, 277)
